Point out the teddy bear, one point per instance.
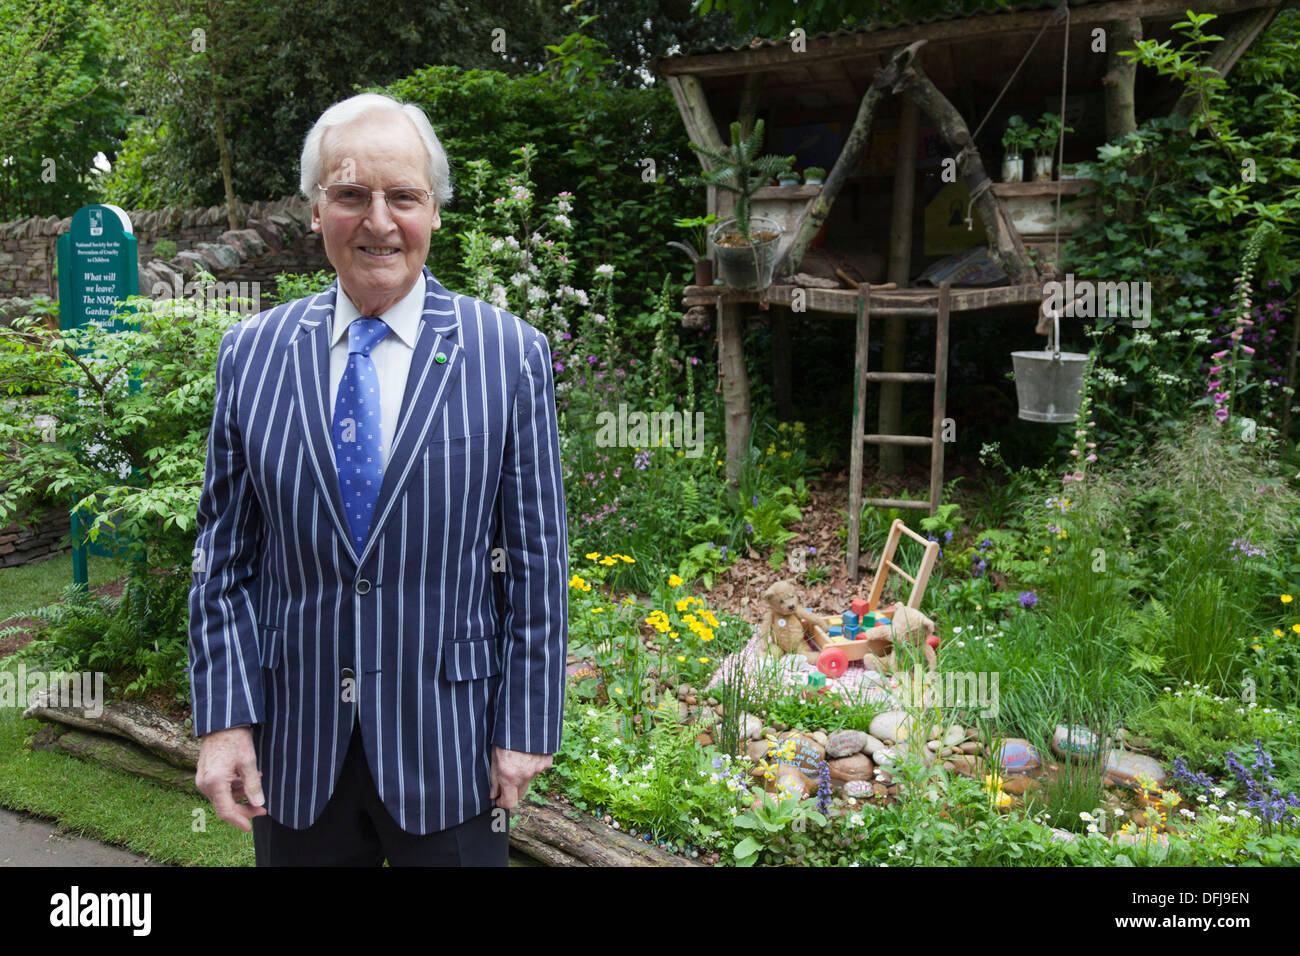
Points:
(908, 625)
(787, 627)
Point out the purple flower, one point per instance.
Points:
(749, 528)
(754, 501)
(1027, 599)
(986, 544)
(980, 566)
(823, 787)
(1221, 414)
(717, 763)
(947, 537)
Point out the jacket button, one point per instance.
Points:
(363, 586)
(347, 673)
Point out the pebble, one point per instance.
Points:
(971, 747)
(873, 744)
(964, 764)
(1018, 785)
(683, 690)
(844, 743)
(1124, 767)
(753, 727)
(757, 749)
(891, 726)
(820, 737)
(855, 767)
(788, 778)
(954, 736)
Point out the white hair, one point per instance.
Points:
(344, 112)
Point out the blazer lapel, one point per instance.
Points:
(435, 367)
(311, 366)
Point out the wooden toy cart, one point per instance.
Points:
(836, 653)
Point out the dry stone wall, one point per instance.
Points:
(276, 238)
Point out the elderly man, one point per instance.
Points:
(378, 615)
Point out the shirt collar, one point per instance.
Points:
(403, 317)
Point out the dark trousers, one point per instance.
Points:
(356, 829)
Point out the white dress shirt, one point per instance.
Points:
(391, 355)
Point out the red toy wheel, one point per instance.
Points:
(833, 662)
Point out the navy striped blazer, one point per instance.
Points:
(447, 633)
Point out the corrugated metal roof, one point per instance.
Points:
(759, 43)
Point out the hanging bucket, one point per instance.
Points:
(1049, 383)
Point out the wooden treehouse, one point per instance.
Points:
(910, 225)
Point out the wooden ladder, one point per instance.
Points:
(861, 376)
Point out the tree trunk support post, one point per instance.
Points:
(890, 418)
(734, 385)
(857, 447)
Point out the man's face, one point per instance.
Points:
(377, 253)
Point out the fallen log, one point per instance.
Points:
(562, 836)
(151, 729)
(113, 752)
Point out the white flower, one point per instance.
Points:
(1119, 812)
(563, 220)
(1219, 792)
(605, 270)
(1085, 815)
(1092, 828)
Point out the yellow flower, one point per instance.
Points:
(593, 556)
(1047, 550)
(771, 449)
(682, 605)
(1257, 647)
(673, 635)
(704, 660)
(785, 454)
(608, 561)
(681, 657)
(719, 463)
(782, 427)
(706, 634)
(1276, 632)
(618, 690)
(624, 557)
(708, 616)
(690, 619)
(1296, 628)
(597, 610)
(674, 581)
(577, 582)
(629, 600)
(1286, 599)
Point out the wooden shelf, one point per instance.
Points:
(916, 303)
(1066, 187)
(788, 192)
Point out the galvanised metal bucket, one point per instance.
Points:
(1049, 383)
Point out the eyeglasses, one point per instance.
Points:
(355, 198)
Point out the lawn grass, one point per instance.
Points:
(36, 585)
(96, 801)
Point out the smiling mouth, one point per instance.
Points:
(380, 251)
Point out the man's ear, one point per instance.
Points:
(315, 217)
(437, 219)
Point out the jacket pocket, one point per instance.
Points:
(271, 646)
(470, 660)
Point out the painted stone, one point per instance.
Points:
(1124, 767)
(845, 743)
(858, 789)
(891, 726)
(808, 755)
(1075, 742)
(582, 670)
(1018, 755)
(856, 767)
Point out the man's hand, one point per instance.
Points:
(228, 773)
(512, 771)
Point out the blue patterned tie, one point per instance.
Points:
(357, 424)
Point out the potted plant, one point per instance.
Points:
(1015, 141)
(698, 251)
(745, 246)
(814, 176)
(787, 179)
(1045, 137)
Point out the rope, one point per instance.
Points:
(1060, 142)
(1054, 18)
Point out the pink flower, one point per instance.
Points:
(1221, 414)
(1074, 451)
(1091, 458)
(1216, 369)
(1219, 355)
(1220, 397)
(1248, 350)
(1217, 383)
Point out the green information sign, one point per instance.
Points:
(98, 268)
